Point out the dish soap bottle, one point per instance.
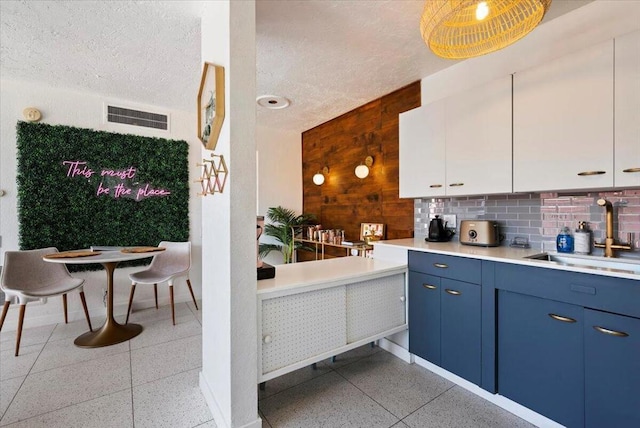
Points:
(582, 239)
(564, 241)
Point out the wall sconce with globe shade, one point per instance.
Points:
(362, 170)
(318, 178)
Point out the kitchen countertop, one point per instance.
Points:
(300, 277)
(503, 254)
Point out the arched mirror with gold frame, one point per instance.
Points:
(211, 105)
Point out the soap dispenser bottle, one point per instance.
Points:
(582, 239)
(564, 241)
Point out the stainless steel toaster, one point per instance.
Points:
(484, 233)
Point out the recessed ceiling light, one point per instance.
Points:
(273, 102)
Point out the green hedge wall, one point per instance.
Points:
(60, 173)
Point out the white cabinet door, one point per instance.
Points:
(479, 139)
(301, 326)
(627, 110)
(422, 151)
(375, 306)
(563, 123)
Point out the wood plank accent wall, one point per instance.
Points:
(344, 201)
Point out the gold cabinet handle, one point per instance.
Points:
(631, 170)
(610, 332)
(456, 184)
(561, 318)
(429, 286)
(453, 292)
(586, 173)
(441, 265)
(435, 186)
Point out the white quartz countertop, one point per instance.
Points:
(503, 254)
(307, 276)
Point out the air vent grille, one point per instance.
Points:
(137, 118)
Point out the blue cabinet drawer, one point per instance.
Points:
(606, 293)
(452, 267)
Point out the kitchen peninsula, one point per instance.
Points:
(315, 310)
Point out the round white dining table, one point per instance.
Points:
(111, 332)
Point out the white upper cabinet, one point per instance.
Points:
(478, 146)
(422, 151)
(460, 145)
(563, 123)
(627, 110)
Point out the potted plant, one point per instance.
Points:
(280, 227)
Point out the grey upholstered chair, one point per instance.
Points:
(168, 265)
(26, 277)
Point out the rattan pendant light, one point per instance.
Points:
(458, 29)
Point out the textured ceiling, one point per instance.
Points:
(140, 51)
(326, 56)
(329, 57)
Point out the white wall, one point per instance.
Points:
(85, 110)
(279, 176)
(229, 328)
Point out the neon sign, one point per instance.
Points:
(117, 183)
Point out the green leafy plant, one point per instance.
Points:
(64, 210)
(282, 220)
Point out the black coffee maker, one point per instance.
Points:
(438, 231)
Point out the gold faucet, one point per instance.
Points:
(609, 244)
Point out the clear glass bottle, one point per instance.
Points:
(564, 241)
(582, 239)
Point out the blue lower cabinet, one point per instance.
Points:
(540, 356)
(445, 324)
(460, 329)
(424, 316)
(612, 370)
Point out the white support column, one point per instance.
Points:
(229, 343)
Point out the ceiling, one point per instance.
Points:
(326, 56)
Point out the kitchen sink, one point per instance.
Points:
(602, 263)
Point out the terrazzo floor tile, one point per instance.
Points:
(325, 401)
(196, 312)
(166, 359)
(155, 332)
(8, 389)
(110, 411)
(460, 408)
(294, 378)
(265, 424)
(400, 425)
(63, 353)
(208, 424)
(188, 407)
(74, 329)
(30, 336)
(152, 314)
(352, 356)
(399, 387)
(12, 366)
(65, 386)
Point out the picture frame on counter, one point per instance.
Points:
(372, 232)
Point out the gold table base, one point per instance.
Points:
(111, 332)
